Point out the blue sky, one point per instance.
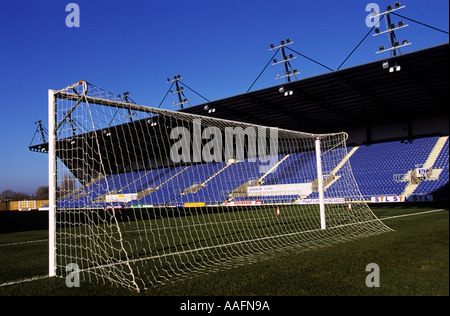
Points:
(219, 47)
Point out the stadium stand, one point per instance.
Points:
(375, 166)
(437, 182)
(380, 169)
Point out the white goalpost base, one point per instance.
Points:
(141, 197)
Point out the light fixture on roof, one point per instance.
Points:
(209, 109)
(179, 90)
(282, 44)
(285, 60)
(151, 122)
(391, 69)
(391, 27)
(285, 92)
(394, 69)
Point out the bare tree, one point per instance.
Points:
(7, 194)
(41, 193)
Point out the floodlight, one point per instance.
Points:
(385, 65)
(381, 48)
(397, 4)
(395, 68)
(405, 42)
(151, 122)
(282, 42)
(389, 7)
(288, 93)
(377, 31)
(401, 23)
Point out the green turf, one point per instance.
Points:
(413, 260)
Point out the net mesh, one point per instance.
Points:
(148, 196)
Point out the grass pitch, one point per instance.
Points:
(413, 261)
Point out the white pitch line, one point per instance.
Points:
(412, 214)
(39, 277)
(23, 242)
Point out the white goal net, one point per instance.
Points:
(141, 197)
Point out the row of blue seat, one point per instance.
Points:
(373, 167)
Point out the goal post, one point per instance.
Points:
(141, 196)
(52, 185)
(323, 224)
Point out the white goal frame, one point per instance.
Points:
(345, 229)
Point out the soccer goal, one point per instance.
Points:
(141, 196)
